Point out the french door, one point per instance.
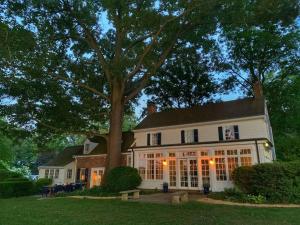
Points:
(96, 176)
(188, 173)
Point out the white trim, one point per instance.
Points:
(198, 124)
(100, 155)
(52, 167)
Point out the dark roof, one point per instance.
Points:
(66, 156)
(209, 112)
(101, 148)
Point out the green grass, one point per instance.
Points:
(29, 211)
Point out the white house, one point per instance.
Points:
(61, 169)
(182, 147)
(187, 147)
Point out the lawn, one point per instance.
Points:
(29, 211)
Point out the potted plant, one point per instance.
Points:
(206, 186)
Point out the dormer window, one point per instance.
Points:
(189, 136)
(86, 148)
(154, 139)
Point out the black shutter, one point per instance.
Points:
(78, 175)
(236, 132)
(196, 139)
(159, 139)
(182, 137)
(220, 129)
(148, 139)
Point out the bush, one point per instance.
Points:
(277, 182)
(122, 178)
(6, 174)
(41, 183)
(15, 188)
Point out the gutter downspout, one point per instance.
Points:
(257, 151)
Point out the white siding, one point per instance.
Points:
(66, 168)
(248, 128)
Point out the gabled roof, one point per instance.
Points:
(101, 148)
(210, 112)
(66, 156)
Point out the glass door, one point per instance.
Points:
(183, 173)
(188, 173)
(193, 171)
(96, 176)
(205, 171)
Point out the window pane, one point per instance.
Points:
(172, 172)
(233, 163)
(159, 169)
(229, 133)
(220, 169)
(150, 169)
(246, 161)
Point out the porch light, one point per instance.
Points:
(211, 162)
(165, 163)
(267, 145)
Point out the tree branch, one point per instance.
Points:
(102, 95)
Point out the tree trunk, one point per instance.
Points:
(115, 130)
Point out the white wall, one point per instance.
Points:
(255, 127)
(66, 168)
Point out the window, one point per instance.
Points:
(51, 174)
(233, 162)
(232, 152)
(69, 173)
(56, 175)
(172, 172)
(220, 169)
(82, 174)
(172, 154)
(159, 169)
(154, 139)
(219, 152)
(86, 148)
(245, 151)
(142, 172)
(153, 164)
(204, 153)
(231, 132)
(189, 136)
(246, 161)
(205, 171)
(46, 173)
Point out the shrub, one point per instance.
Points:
(6, 174)
(277, 182)
(15, 188)
(122, 178)
(40, 183)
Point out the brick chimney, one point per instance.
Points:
(257, 90)
(151, 108)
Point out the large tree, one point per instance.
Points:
(86, 61)
(260, 37)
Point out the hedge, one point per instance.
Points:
(15, 188)
(122, 178)
(40, 183)
(277, 182)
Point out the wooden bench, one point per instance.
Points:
(180, 196)
(124, 194)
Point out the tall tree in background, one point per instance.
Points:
(260, 37)
(283, 95)
(184, 80)
(88, 60)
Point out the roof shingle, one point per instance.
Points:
(209, 112)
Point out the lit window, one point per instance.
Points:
(204, 153)
(233, 162)
(246, 151)
(69, 173)
(46, 173)
(172, 154)
(220, 169)
(172, 172)
(205, 171)
(219, 152)
(232, 152)
(56, 175)
(159, 169)
(246, 161)
(150, 169)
